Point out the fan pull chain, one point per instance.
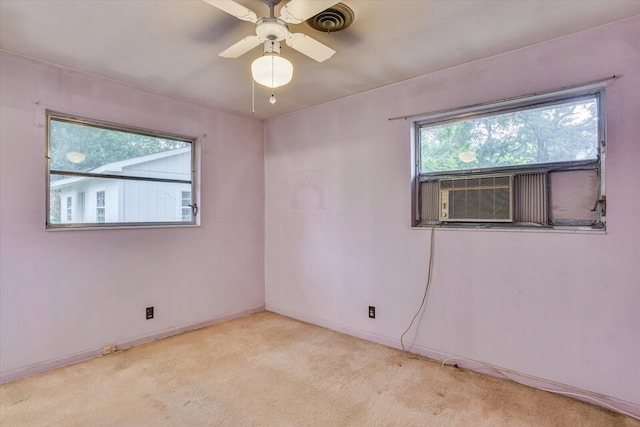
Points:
(272, 100)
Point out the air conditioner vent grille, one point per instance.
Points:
(477, 199)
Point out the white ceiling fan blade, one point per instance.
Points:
(310, 47)
(235, 9)
(298, 11)
(242, 47)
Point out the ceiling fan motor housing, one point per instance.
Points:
(272, 29)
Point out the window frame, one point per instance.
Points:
(63, 117)
(523, 103)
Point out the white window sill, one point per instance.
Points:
(121, 227)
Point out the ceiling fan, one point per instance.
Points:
(270, 30)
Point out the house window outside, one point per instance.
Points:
(139, 171)
(69, 209)
(100, 206)
(531, 162)
(186, 205)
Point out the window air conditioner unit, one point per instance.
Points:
(477, 199)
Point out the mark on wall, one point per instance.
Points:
(307, 191)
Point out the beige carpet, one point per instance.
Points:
(268, 370)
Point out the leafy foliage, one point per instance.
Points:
(55, 208)
(100, 146)
(556, 133)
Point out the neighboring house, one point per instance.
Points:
(93, 200)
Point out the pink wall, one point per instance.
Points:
(559, 306)
(563, 307)
(66, 294)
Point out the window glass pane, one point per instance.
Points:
(100, 215)
(100, 199)
(186, 198)
(76, 147)
(117, 200)
(186, 206)
(103, 173)
(553, 133)
(69, 209)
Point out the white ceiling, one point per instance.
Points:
(172, 46)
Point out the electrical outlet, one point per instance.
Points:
(108, 349)
(372, 312)
(149, 313)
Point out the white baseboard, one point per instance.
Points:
(9, 376)
(477, 366)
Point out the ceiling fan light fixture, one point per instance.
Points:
(272, 70)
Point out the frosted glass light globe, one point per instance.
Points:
(261, 69)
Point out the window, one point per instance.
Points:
(118, 176)
(69, 209)
(100, 216)
(186, 205)
(531, 162)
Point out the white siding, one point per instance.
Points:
(152, 201)
(132, 201)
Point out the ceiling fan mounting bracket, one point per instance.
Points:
(271, 4)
